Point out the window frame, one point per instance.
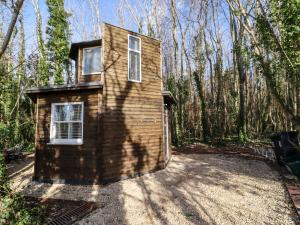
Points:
(69, 141)
(140, 54)
(82, 61)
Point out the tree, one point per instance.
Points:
(271, 43)
(58, 36)
(16, 10)
(238, 60)
(42, 64)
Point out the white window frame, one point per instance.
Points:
(72, 141)
(82, 61)
(140, 53)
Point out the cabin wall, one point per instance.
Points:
(133, 112)
(68, 163)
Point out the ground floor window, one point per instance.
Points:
(66, 123)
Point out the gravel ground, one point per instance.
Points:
(193, 189)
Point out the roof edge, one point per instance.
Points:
(169, 97)
(73, 53)
(155, 39)
(33, 92)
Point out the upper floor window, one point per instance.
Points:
(66, 123)
(91, 61)
(134, 58)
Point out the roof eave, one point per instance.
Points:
(169, 98)
(32, 93)
(73, 54)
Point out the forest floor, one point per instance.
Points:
(197, 187)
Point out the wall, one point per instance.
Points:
(132, 112)
(68, 162)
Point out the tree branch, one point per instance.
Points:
(11, 26)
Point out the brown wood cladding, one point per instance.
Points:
(132, 121)
(123, 130)
(74, 162)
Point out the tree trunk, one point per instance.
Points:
(199, 83)
(16, 10)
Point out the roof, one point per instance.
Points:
(75, 46)
(32, 92)
(168, 98)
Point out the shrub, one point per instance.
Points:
(15, 210)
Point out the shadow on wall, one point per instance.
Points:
(124, 151)
(116, 132)
(67, 162)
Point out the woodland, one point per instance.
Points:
(233, 66)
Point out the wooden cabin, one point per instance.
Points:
(113, 122)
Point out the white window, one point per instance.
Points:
(91, 61)
(66, 123)
(134, 58)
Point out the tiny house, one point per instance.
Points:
(113, 122)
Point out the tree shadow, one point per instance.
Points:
(181, 185)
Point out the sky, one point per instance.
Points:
(81, 11)
(108, 13)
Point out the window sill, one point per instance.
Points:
(135, 81)
(91, 74)
(64, 143)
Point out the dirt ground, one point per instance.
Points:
(193, 189)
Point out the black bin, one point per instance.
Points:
(285, 145)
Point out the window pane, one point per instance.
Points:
(61, 113)
(134, 66)
(75, 130)
(62, 130)
(134, 43)
(92, 60)
(75, 112)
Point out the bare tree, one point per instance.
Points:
(16, 11)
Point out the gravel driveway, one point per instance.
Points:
(193, 189)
